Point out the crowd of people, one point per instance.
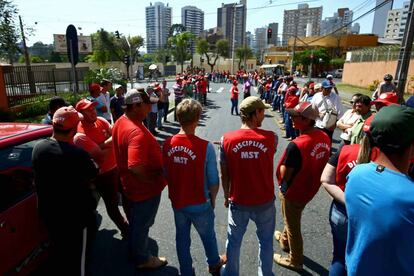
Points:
(109, 145)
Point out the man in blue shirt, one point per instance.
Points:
(379, 198)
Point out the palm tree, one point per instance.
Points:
(180, 44)
(243, 53)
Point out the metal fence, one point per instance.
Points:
(27, 84)
(383, 53)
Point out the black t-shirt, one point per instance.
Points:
(62, 175)
(293, 159)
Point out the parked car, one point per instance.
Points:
(337, 73)
(23, 238)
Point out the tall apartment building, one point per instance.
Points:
(396, 22)
(249, 40)
(192, 18)
(158, 24)
(275, 31)
(341, 18)
(233, 17)
(260, 39)
(380, 17)
(295, 22)
(355, 28)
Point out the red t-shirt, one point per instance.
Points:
(291, 100)
(89, 137)
(202, 86)
(314, 149)
(184, 157)
(234, 92)
(347, 161)
(135, 145)
(248, 156)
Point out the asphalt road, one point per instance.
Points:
(110, 251)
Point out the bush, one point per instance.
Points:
(112, 74)
(41, 107)
(373, 86)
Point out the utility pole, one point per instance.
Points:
(30, 78)
(405, 54)
(130, 63)
(234, 37)
(294, 47)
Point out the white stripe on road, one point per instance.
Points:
(220, 90)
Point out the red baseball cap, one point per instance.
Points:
(305, 109)
(367, 123)
(85, 104)
(94, 87)
(66, 118)
(388, 98)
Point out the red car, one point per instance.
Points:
(23, 238)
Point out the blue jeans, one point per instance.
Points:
(204, 224)
(234, 104)
(276, 102)
(290, 131)
(265, 220)
(339, 227)
(141, 219)
(282, 106)
(159, 117)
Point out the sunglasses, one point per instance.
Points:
(352, 102)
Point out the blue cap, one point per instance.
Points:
(326, 84)
(410, 102)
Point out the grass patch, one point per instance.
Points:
(352, 89)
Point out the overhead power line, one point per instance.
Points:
(350, 23)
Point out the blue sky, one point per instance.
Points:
(128, 16)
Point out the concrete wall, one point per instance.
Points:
(365, 73)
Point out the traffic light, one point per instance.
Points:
(126, 60)
(117, 34)
(269, 33)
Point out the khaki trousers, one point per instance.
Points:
(291, 236)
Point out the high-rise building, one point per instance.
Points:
(260, 39)
(275, 30)
(355, 28)
(396, 22)
(192, 18)
(158, 24)
(295, 22)
(341, 21)
(249, 40)
(233, 17)
(380, 17)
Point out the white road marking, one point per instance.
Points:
(220, 90)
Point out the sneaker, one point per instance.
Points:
(215, 269)
(285, 262)
(278, 237)
(153, 263)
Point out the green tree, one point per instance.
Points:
(42, 50)
(212, 52)
(176, 29)
(243, 53)
(317, 57)
(55, 57)
(9, 34)
(180, 44)
(109, 48)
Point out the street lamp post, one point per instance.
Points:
(234, 38)
(130, 62)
